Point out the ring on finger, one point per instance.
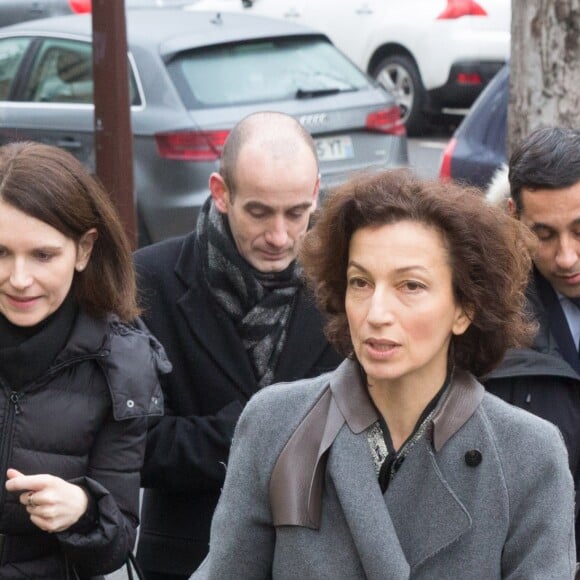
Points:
(30, 502)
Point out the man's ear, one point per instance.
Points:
(316, 193)
(85, 248)
(511, 205)
(219, 192)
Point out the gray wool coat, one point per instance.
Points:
(486, 494)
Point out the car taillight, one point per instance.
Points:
(459, 8)
(80, 6)
(191, 145)
(445, 169)
(465, 78)
(386, 121)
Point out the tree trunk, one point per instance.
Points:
(545, 66)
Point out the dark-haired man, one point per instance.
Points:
(544, 176)
(228, 303)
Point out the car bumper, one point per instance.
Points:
(458, 92)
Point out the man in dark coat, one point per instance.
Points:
(544, 181)
(228, 303)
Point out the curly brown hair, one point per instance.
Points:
(489, 256)
(51, 185)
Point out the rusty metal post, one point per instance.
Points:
(113, 135)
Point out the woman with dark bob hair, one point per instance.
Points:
(398, 465)
(77, 381)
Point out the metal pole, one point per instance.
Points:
(113, 135)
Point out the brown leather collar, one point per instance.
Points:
(297, 479)
(456, 406)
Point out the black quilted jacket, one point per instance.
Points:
(84, 420)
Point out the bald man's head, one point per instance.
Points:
(267, 188)
(278, 134)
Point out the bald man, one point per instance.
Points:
(228, 303)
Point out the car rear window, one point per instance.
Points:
(267, 70)
(487, 120)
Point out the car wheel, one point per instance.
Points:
(399, 75)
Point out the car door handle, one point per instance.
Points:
(69, 143)
(292, 13)
(364, 10)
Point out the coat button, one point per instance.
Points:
(473, 457)
(130, 404)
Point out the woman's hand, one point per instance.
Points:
(53, 504)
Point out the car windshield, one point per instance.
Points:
(263, 71)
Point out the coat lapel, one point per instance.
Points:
(352, 473)
(425, 511)
(556, 321)
(419, 513)
(216, 334)
(305, 342)
(418, 516)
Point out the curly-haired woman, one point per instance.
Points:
(398, 465)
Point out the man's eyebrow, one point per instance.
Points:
(257, 205)
(253, 205)
(305, 205)
(542, 226)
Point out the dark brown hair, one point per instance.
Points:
(49, 184)
(548, 158)
(488, 255)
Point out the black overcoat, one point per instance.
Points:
(212, 380)
(542, 381)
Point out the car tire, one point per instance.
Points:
(400, 76)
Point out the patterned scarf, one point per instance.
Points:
(260, 304)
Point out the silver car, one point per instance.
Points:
(14, 11)
(193, 75)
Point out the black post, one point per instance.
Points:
(113, 135)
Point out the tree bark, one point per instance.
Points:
(545, 66)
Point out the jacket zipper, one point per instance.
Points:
(14, 408)
(13, 402)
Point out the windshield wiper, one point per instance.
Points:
(313, 93)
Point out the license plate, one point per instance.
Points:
(334, 148)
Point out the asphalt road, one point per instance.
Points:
(425, 152)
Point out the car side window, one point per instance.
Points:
(12, 51)
(63, 73)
